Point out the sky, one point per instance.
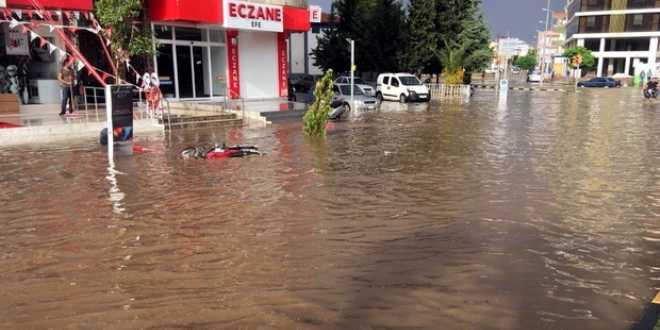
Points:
(520, 18)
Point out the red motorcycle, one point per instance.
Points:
(240, 150)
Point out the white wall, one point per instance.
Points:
(257, 64)
(299, 53)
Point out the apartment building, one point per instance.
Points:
(622, 34)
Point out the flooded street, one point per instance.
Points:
(535, 212)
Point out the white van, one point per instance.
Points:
(402, 87)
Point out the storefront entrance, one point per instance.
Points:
(191, 62)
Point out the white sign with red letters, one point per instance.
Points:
(315, 14)
(243, 15)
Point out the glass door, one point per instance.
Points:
(200, 56)
(185, 72)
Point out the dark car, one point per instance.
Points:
(292, 97)
(306, 82)
(600, 82)
(294, 77)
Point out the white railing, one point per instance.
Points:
(96, 93)
(230, 102)
(449, 91)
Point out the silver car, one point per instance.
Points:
(359, 82)
(360, 100)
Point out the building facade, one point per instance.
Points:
(212, 49)
(301, 44)
(622, 34)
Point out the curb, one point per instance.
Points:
(650, 316)
(523, 88)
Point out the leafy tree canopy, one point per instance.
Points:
(588, 59)
(526, 62)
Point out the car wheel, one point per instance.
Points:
(402, 98)
(347, 107)
(379, 96)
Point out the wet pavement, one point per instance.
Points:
(538, 211)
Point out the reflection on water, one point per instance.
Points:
(537, 211)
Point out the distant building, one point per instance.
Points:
(622, 34)
(507, 47)
(301, 44)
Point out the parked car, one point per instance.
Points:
(306, 82)
(404, 87)
(359, 82)
(515, 70)
(600, 82)
(534, 76)
(293, 79)
(292, 96)
(361, 101)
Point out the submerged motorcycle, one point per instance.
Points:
(239, 150)
(654, 93)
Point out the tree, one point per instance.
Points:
(449, 18)
(421, 37)
(526, 62)
(588, 59)
(379, 45)
(475, 33)
(317, 115)
(128, 36)
(332, 50)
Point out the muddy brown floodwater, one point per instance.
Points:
(537, 212)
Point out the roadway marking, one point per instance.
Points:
(656, 300)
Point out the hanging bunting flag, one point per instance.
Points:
(104, 76)
(73, 29)
(51, 47)
(62, 53)
(58, 13)
(29, 14)
(107, 42)
(40, 14)
(71, 60)
(137, 79)
(24, 29)
(35, 25)
(67, 14)
(13, 23)
(108, 32)
(33, 36)
(51, 27)
(19, 13)
(81, 65)
(42, 42)
(86, 14)
(7, 13)
(76, 14)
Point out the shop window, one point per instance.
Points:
(186, 33)
(163, 31)
(593, 2)
(216, 36)
(638, 19)
(316, 29)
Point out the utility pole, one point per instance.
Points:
(547, 19)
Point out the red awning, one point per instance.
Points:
(79, 5)
(296, 19)
(197, 11)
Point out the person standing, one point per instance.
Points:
(310, 95)
(649, 74)
(65, 77)
(642, 74)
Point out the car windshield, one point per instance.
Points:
(410, 80)
(536, 72)
(346, 90)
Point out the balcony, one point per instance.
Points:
(559, 28)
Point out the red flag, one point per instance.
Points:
(104, 76)
(24, 30)
(29, 12)
(71, 60)
(108, 32)
(89, 72)
(7, 13)
(86, 14)
(67, 14)
(73, 29)
(42, 42)
(35, 25)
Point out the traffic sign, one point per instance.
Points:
(504, 83)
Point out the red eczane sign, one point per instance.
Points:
(255, 11)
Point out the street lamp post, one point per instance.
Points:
(352, 42)
(547, 19)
